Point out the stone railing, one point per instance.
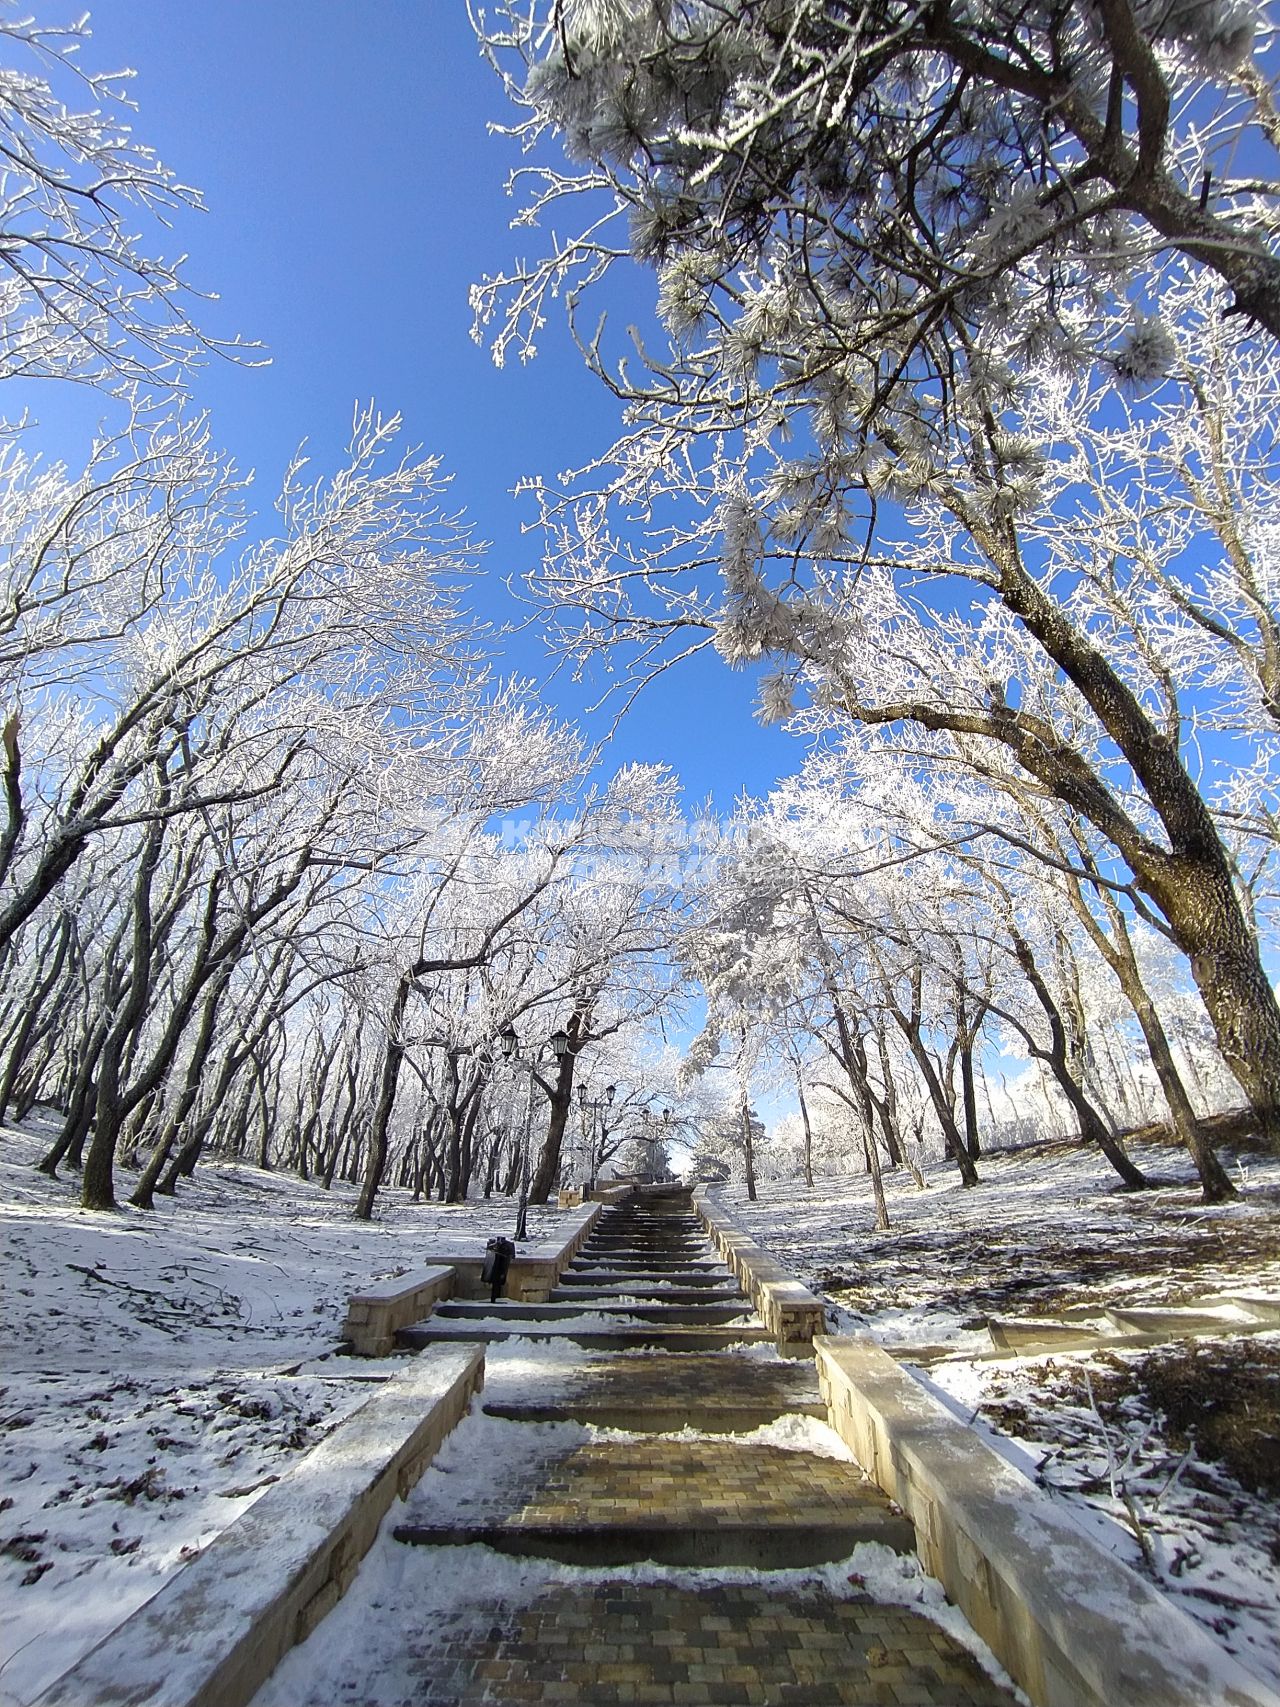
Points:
(1073, 1625)
(792, 1314)
(613, 1195)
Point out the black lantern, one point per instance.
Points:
(559, 1041)
(508, 1042)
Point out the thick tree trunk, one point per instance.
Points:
(887, 1109)
(952, 1140)
(1216, 1186)
(1192, 882)
(547, 1172)
(748, 1149)
(455, 1109)
(1200, 903)
(78, 1115)
(144, 1193)
(854, 1057)
(966, 1037)
(98, 1188)
(33, 1007)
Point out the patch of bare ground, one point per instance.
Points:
(1161, 1246)
(1180, 1445)
(1218, 1399)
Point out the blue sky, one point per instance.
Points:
(353, 195)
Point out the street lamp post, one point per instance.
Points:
(509, 1043)
(597, 1106)
(651, 1138)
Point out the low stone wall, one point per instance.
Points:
(792, 1314)
(613, 1195)
(219, 1627)
(1073, 1625)
(374, 1315)
(536, 1267)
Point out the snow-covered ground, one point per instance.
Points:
(160, 1370)
(1047, 1232)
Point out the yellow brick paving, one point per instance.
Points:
(723, 1646)
(704, 1482)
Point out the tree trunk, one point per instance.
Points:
(1117, 951)
(144, 1193)
(966, 1036)
(887, 1109)
(98, 1188)
(748, 1149)
(33, 1007)
(1192, 882)
(1093, 1128)
(547, 1171)
(808, 1134)
(854, 1057)
(392, 1057)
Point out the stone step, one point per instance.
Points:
(766, 1546)
(663, 1235)
(753, 1642)
(669, 1418)
(640, 1277)
(660, 1223)
(640, 1336)
(657, 1293)
(464, 1309)
(715, 1392)
(666, 1227)
(666, 1255)
(658, 1235)
(1155, 1319)
(1029, 1334)
(632, 1258)
(678, 1502)
(627, 1242)
(629, 1265)
(650, 1229)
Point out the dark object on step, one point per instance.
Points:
(497, 1262)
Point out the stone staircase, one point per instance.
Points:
(671, 1359)
(646, 1278)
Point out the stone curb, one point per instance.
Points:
(792, 1314)
(1072, 1625)
(219, 1627)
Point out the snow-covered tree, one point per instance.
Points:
(83, 295)
(908, 261)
